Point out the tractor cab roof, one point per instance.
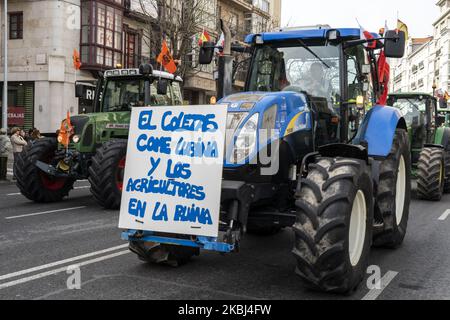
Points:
(136, 73)
(309, 34)
(406, 95)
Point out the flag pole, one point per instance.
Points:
(5, 69)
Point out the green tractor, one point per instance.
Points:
(46, 170)
(429, 132)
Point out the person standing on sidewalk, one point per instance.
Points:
(18, 142)
(5, 149)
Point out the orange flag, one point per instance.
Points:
(65, 131)
(166, 60)
(76, 59)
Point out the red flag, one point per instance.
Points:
(76, 59)
(368, 36)
(166, 60)
(383, 76)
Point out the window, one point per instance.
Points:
(132, 48)
(101, 34)
(16, 25)
(276, 68)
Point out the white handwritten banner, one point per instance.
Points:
(173, 174)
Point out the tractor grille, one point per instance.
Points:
(78, 122)
(88, 136)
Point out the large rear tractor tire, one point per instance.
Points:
(333, 230)
(106, 173)
(431, 174)
(35, 184)
(164, 254)
(447, 171)
(393, 194)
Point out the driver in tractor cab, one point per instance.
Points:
(317, 83)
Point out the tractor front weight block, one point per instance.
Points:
(205, 243)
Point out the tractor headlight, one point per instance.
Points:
(245, 141)
(76, 138)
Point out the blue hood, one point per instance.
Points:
(292, 114)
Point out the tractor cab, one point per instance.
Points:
(124, 89)
(421, 115)
(116, 94)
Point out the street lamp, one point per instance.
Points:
(5, 69)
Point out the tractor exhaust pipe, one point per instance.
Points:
(225, 80)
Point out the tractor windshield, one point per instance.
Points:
(413, 110)
(123, 94)
(313, 69)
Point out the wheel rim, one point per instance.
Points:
(120, 173)
(48, 182)
(357, 233)
(52, 184)
(400, 191)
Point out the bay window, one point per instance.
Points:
(101, 33)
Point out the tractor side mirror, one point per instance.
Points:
(79, 91)
(162, 87)
(395, 44)
(443, 103)
(206, 54)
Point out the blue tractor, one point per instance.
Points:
(300, 156)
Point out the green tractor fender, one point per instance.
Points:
(442, 137)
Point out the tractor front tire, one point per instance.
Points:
(333, 229)
(106, 174)
(35, 184)
(431, 174)
(165, 254)
(393, 195)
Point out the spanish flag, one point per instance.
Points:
(204, 37)
(401, 26)
(166, 60)
(446, 96)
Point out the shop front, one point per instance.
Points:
(20, 104)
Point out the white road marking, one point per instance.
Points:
(13, 194)
(445, 215)
(58, 263)
(45, 212)
(83, 187)
(59, 270)
(385, 281)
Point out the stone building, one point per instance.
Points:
(44, 33)
(42, 38)
(426, 63)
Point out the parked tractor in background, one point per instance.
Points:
(430, 142)
(340, 191)
(46, 171)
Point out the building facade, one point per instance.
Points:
(43, 35)
(415, 72)
(426, 63)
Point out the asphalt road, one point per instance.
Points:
(39, 242)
